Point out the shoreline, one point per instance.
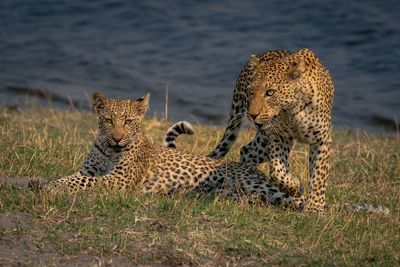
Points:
(44, 99)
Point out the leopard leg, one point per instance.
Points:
(117, 179)
(98, 167)
(319, 166)
(73, 183)
(268, 147)
(252, 186)
(96, 164)
(278, 151)
(254, 153)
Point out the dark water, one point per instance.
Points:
(126, 48)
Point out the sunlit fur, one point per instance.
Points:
(288, 96)
(133, 163)
(117, 125)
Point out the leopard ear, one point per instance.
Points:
(143, 104)
(254, 61)
(99, 101)
(296, 69)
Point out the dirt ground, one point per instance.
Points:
(19, 243)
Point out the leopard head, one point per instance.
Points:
(119, 119)
(276, 85)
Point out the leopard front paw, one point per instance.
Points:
(295, 203)
(297, 188)
(313, 208)
(36, 184)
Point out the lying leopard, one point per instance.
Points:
(287, 96)
(123, 159)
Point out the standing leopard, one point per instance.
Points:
(287, 96)
(123, 159)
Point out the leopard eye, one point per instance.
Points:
(270, 92)
(108, 120)
(128, 121)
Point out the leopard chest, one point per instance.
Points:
(304, 126)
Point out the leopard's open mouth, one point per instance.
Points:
(118, 148)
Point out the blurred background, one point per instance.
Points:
(61, 51)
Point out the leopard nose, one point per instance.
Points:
(253, 116)
(117, 139)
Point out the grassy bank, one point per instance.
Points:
(117, 229)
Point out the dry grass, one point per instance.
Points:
(118, 229)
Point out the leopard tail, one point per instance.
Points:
(181, 127)
(359, 207)
(298, 204)
(236, 116)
